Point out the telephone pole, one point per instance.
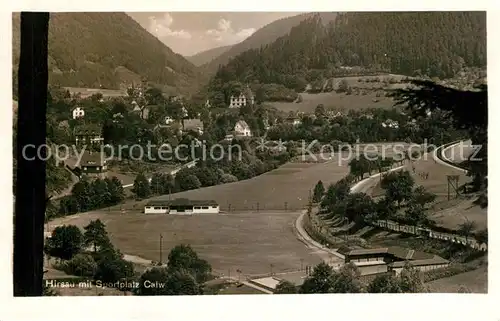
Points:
(161, 244)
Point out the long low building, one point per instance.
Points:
(181, 206)
(392, 259)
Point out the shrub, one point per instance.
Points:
(80, 265)
(228, 178)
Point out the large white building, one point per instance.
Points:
(181, 206)
(246, 97)
(78, 112)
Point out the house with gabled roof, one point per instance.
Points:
(244, 98)
(241, 129)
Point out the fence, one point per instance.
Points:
(262, 207)
(427, 232)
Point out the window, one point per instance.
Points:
(157, 208)
(163, 207)
(197, 207)
(204, 207)
(214, 206)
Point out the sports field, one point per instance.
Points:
(250, 241)
(247, 238)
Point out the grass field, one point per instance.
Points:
(250, 241)
(288, 184)
(343, 101)
(476, 281)
(334, 100)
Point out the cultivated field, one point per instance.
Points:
(87, 92)
(342, 101)
(334, 100)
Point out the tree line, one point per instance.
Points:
(87, 195)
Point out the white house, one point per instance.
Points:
(168, 120)
(242, 129)
(246, 97)
(390, 123)
(181, 206)
(78, 112)
(292, 120)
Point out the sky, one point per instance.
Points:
(188, 33)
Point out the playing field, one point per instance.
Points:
(251, 241)
(248, 241)
(284, 188)
(258, 232)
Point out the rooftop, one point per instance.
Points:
(243, 124)
(180, 202)
(408, 254)
(92, 159)
(433, 261)
(90, 129)
(269, 282)
(192, 124)
(383, 250)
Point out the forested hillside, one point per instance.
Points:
(264, 36)
(207, 55)
(90, 49)
(436, 44)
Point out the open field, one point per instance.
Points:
(342, 101)
(288, 184)
(476, 281)
(250, 242)
(87, 92)
(334, 100)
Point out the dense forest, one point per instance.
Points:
(436, 44)
(90, 49)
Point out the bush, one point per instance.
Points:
(228, 178)
(80, 265)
